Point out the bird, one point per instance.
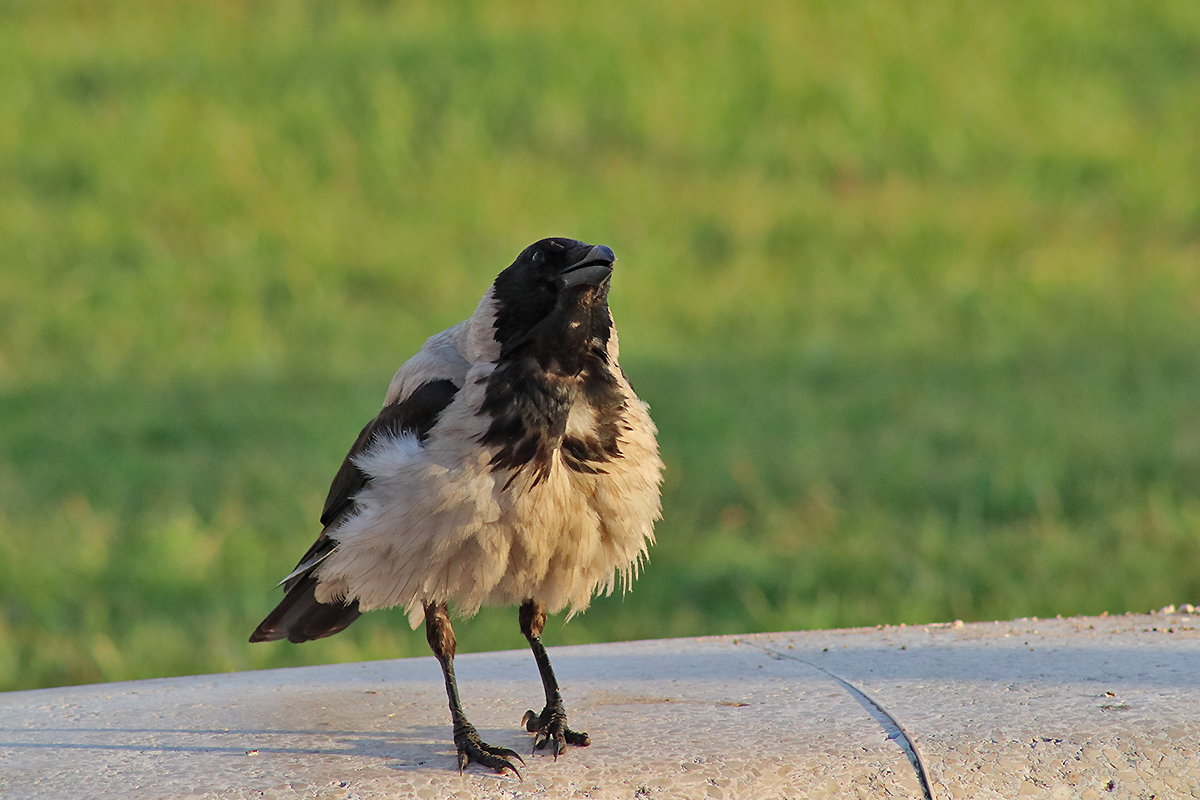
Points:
(511, 464)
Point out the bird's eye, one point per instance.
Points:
(538, 258)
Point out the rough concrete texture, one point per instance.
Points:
(1099, 707)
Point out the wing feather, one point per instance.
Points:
(416, 413)
(300, 616)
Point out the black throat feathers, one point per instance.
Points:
(556, 393)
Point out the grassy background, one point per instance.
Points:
(912, 289)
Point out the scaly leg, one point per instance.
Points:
(551, 724)
(466, 739)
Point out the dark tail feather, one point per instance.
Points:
(300, 617)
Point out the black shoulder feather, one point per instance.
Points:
(416, 413)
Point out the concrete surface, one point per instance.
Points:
(1099, 707)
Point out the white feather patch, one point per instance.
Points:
(388, 455)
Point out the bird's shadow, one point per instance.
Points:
(417, 748)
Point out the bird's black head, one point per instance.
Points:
(554, 331)
(552, 304)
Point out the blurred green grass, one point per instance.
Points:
(912, 290)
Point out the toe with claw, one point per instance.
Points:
(551, 726)
(472, 748)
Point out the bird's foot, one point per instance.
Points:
(472, 748)
(551, 726)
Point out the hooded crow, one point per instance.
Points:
(511, 464)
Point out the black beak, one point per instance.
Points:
(591, 270)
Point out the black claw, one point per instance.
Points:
(551, 726)
(472, 748)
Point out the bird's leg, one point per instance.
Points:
(466, 739)
(551, 724)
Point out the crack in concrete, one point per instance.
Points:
(887, 720)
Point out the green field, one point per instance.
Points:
(913, 291)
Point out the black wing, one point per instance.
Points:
(417, 413)
(300, 616)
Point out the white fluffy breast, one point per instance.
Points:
(435, 523)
